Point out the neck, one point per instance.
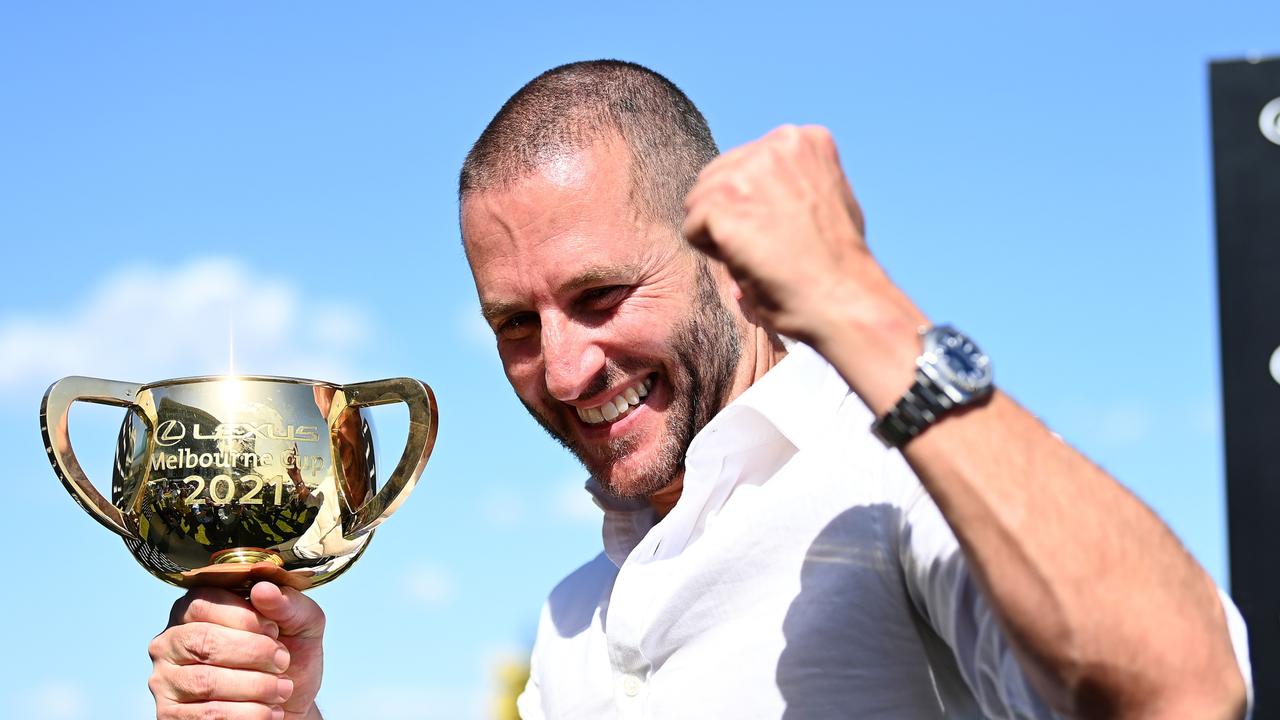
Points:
(763, 351)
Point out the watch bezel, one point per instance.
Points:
(938, 388)
(939, 357)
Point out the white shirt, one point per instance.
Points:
(804, 573)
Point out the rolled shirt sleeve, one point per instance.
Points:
(948, 598)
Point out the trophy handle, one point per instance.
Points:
(54, 409)
(423, 418)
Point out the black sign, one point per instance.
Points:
(1246, 163)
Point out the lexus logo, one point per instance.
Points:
(1269, 124)
(171, 432)
(1275, 365)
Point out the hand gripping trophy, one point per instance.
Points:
(226, 480)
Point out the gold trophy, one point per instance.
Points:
(226, 480)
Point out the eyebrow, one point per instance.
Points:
(594, 275)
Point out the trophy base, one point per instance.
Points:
(246, 556)
(237, 569)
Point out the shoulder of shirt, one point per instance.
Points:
(801, 396)
(573, 602)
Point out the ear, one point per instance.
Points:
(725, 281)
(729, 285)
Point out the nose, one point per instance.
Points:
(570, 357)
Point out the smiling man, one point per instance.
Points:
(851, 524)
(626, 352)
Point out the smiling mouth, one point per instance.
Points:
(617, 407)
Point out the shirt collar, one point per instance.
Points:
(797, 397)
(793, 403)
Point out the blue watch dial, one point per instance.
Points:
(959, 360)
(951, 372)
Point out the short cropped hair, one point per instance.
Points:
(572, 106)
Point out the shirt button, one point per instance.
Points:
(631, 685)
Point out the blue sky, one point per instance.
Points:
(1038, 174)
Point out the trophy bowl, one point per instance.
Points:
(226, 480)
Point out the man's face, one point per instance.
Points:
(615, 335)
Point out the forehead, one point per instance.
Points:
(571, 215)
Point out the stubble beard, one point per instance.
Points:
(706, 348)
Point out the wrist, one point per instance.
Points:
(873, 340)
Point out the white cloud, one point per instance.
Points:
(503, 508)
(53, 700)
(574, 504)
(431, 585)
(148, 323)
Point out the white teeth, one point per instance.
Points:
(618, 406)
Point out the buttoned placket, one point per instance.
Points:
(625, 630)
(641, 579)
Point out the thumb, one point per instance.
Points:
(295, 613)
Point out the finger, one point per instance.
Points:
(696, 231)
(854, 209)
(713, 179)
(824, 144)
(219, 709)
(296, 614)
(196, 683)
(202, 643)
(221, 608)
(729, 159)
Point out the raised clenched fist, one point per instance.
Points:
(781, 215)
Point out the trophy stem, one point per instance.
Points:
(246, 556)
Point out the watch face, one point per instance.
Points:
(958, 360)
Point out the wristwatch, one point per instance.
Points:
(951, 373)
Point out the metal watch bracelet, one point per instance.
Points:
(919, 407)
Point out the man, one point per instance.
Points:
(765, 554)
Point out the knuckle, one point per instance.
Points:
(197, 609)
(306, 609)
(201, 643)
(312, 612)
(788, 132)
(197, 682)
(157, 647)
(819, 134)
(157, 685)
(793, 138)
(212, 712)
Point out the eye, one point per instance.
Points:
(517, 327)
(603, 298)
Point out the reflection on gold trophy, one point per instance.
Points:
(225, 480)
